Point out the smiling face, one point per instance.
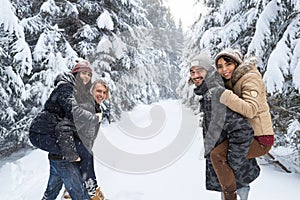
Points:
(85, 77)
(99, 92)
(197, 75)
(226, 67)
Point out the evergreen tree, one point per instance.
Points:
(15, 64)
(268, 30)
(40, 39)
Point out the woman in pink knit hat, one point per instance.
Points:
(67, 128)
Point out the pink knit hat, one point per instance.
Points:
(82, 65)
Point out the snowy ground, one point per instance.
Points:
(145, 166)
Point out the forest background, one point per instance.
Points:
(143, 53)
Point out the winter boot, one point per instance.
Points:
(243, 192)
(99, 195)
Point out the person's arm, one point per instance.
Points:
(64, 132)
(248, 104)
(82, 115)
(66, 99)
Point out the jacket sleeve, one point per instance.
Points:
(82, 115)
(248, 104)
(65, 131)
(240, 136)
(66, 100)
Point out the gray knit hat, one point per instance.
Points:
(203, 60)
(231, 53)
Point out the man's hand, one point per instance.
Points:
(99, 115)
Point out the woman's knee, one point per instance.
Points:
(216, 155)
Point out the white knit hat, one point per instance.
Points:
(202, 60)
(231, 53)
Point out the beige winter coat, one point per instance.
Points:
(248, 97)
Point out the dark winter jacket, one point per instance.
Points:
(64, 119)
(221, 123)
(57, 107)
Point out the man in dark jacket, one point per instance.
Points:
(221, 123)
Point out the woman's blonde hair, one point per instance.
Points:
(102, 82)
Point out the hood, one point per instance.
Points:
(66, 77)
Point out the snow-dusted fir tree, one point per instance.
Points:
(268, 30)
(15, 65)
(136, 56)
(41, 39)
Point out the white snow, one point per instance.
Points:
(262, 29)
(105, 21)
(24, 177)
(49, 7)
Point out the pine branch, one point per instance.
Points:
(278, 163)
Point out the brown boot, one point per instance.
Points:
(99, 195)
(230, 195)
(66, 195)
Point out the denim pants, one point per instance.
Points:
(67, 173)
(86, 164)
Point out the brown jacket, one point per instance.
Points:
(248, 97)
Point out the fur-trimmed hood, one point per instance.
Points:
(240, 71)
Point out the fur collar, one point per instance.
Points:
(239, 72)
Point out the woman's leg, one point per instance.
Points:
(70, 174)
(241, 192)
(45, 142)
(223, 171)
(54, 184)
(256, 149)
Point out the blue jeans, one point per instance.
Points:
(86, 164)
(67, 173)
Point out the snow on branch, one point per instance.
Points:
(105, 21)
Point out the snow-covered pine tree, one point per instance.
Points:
(113, 35)
(15, 65)
(268, 30)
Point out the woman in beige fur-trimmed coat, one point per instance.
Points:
(245, 94)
